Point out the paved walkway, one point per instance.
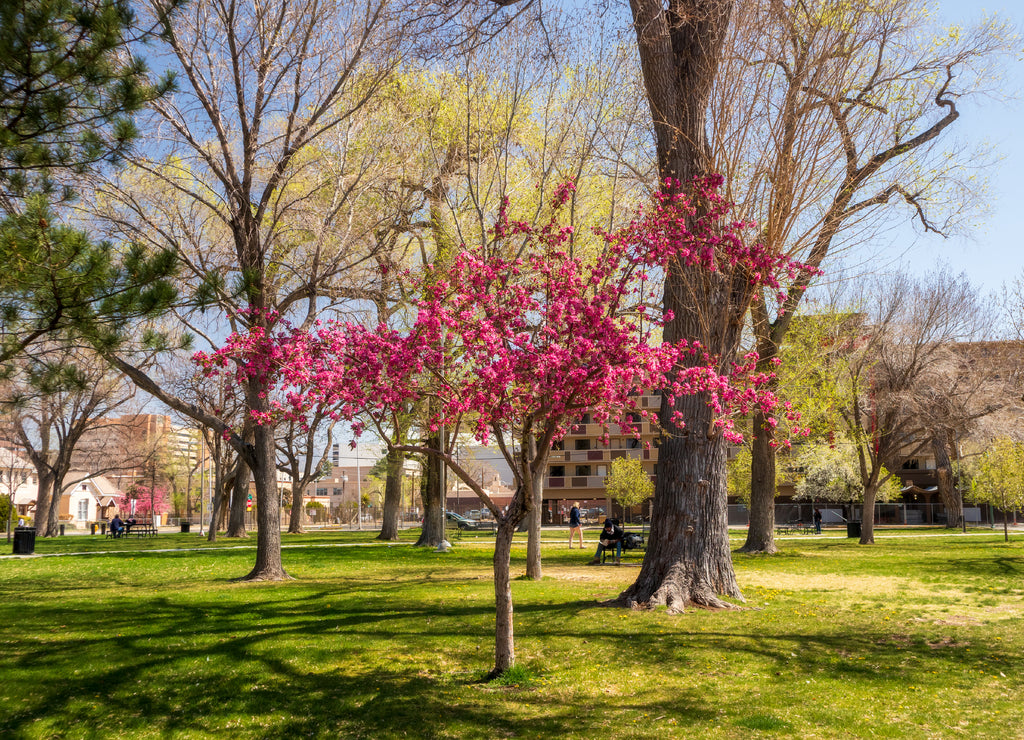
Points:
(835, 534)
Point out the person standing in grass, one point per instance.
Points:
(575, 524)
(817, 521)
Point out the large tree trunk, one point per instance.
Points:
(867, 515)
(761, 532)
(392, 495)
(948, 492)
(688, 559)
(268, 509)
(217, 503)
(296, 515)
(53, 516)
(44, 499)
(432, 494)
(239, 497)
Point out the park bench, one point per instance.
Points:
(632, 542)
(139, 529)
(795, 527)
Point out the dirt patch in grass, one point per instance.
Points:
(872, 585)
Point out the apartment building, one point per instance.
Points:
(579, 463)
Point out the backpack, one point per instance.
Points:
(632, 541)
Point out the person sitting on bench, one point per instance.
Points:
(116, 525)
(610, 537)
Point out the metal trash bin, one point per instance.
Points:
(61, 530)
(24, 540)
(185, 527)
(853, 529)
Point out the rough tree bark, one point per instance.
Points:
(867, 518)
(432, 494)
(761, 531)
(220, 484)
(44, 500)
(239, 494)
(296, 516)
(392, 495)
(688, 560)
(268, 565)
(948, 492)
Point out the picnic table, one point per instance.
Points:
(139, 529)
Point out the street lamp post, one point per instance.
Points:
(359, 493)
(344, 482)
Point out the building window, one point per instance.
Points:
(582, 470)
(633, 443)
(602, 470)
(585, 419)
(558, 445)
(557, 471)
(321, 492)
(582, 444)
(911, 464)
(337, 491)
(83, 509)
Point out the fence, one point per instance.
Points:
(899, 514)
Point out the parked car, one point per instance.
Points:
(457, 520)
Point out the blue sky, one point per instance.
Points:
(994, 253)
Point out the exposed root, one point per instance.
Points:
(676, 592)
(268, 575)
(770, 549)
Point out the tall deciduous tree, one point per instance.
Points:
(688, 560)
(900, 368)
(829, 119)
(53, 400)
(236, 183)
(997, 478)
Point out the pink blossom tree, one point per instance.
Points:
(515, 349)
(148, 501)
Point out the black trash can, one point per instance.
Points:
(61, 530)
(853, 529)
(185, 527)
(24, 540)
(92, 528)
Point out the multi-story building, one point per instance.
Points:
(579, 463)
(134, 448)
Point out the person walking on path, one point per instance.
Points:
(575, 524)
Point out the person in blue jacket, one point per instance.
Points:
(575, 524)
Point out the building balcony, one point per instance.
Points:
(558, 457)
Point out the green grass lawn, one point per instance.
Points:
(916, 637)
